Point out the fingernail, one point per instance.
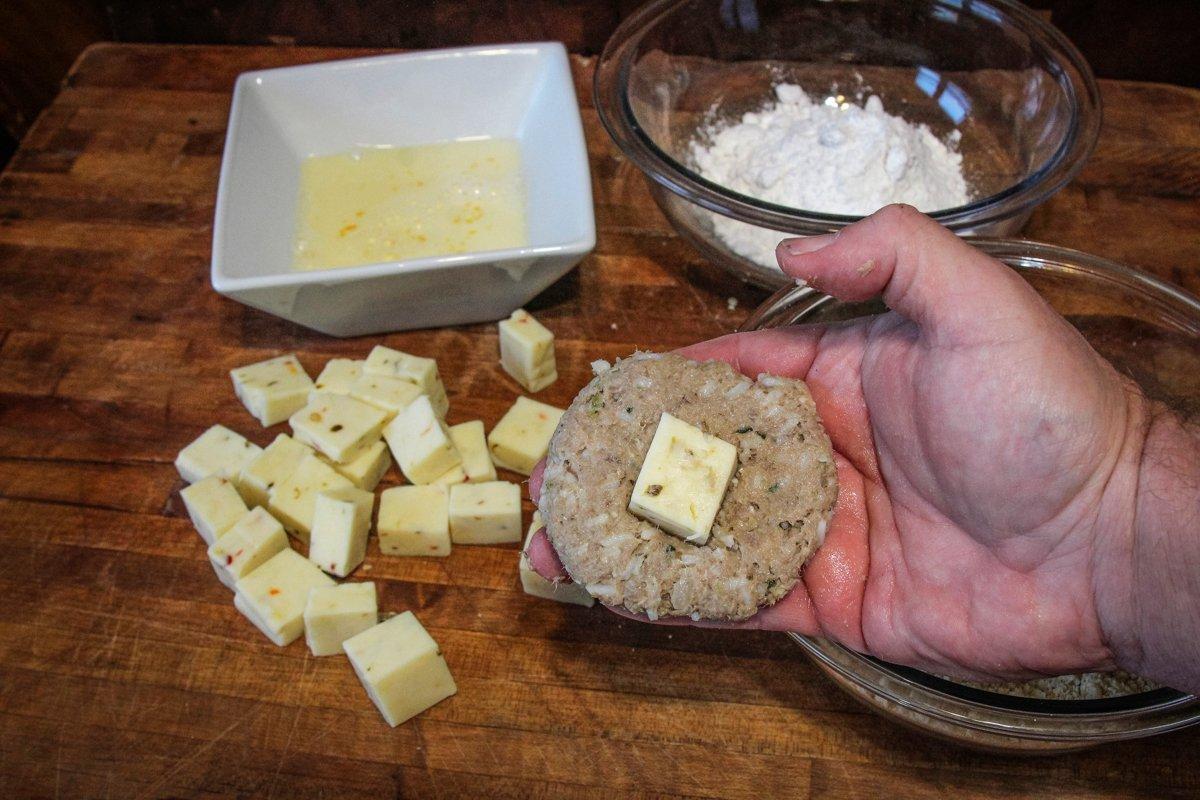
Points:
(803, 245)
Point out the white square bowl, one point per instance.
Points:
(279, 117)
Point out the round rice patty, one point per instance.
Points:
(772, 519)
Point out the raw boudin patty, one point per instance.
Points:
(772, 519)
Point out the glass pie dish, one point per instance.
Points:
(1148, 330)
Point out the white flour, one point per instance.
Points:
(828, 157)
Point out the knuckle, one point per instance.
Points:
(900, 215)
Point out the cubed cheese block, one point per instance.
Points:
(527, 351)
(335, 613)
(249, 544)
(294, 498)
(414, 521)
(337, 377)
(368, 467)
(340, 524)
(272, 390)
(274, 595)
(420, 443)
(534, 584)
(683, 479)
(455, 475)
(522, 436)
(269, 467)
(214, 506)
(485, 513)
(401, 667)
(415, 369)
(472, 446)
(390, 395)
(217, 451)
(338, 427)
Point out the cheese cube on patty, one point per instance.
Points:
(335, 613)
(420, 443)
(401, 667)
(214, 506)
(414, 369)
(217, 451)
(274, 595)
(390, 395)
(367, 468)
(536, 585)
(249, 544)
(683, 479)
(337, 377)
(485, 513)
(338, 427)
(269, 467)
(340, 524)
(414, 521)
(522, 436)
(527, 351)
(272, 390)
(472, 446)
(295, 497)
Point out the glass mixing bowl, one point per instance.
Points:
(1020, 95)
(1148, 330)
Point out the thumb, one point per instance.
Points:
(922, 271)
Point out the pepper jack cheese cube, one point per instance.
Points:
(217, 451)
(337, 377)
(401, 667)
(340, 524)
(527, 351)
(214, 506)
(249, 544)
(420, 443)
(522, 436)
(536, 585)
(683, 479)
(339, 427)
(294, 498)
(414, 369)
(414, 521)
(455, 475)
(272, 390)
(335, 613)
(390, 395)
(274, 595)
(269, 467)
(368, 468)
(472, 446)
(485, 513)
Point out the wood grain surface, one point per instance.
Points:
(125, 670)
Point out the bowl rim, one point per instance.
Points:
(1106, 719)
(558, 67)
(1092, 720)
(1072, 73)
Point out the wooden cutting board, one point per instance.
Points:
(125, 670)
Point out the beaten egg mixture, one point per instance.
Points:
(383, 204)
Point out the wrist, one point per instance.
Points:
(1148, 552)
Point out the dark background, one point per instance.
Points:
(39, 39)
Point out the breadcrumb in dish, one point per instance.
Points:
(1082, 686)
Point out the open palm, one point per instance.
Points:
(979, 440)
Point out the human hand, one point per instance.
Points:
(987, 459)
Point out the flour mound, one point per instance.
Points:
(830, 157)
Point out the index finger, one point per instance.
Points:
(787, 352)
